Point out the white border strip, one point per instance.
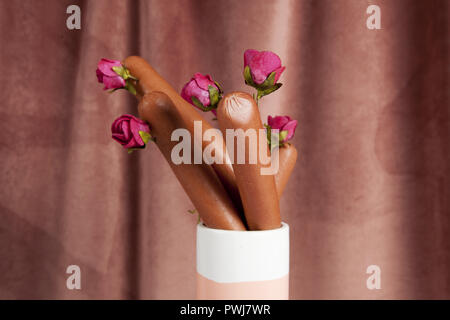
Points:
(241, 256)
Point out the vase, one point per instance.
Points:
(242, 265)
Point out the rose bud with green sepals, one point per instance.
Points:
(131, 132)
(262, 69)
(114, 75)
(202, 92)
(284, 124)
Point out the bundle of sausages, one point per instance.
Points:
(226, 194)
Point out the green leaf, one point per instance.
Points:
(123, 72)
(193, 211)
(145, 136)
(129, 86)
(119, 70)
(265, 92)
(283, 135)
(269, 132)
(269, 82)
(199, 105)
(276, 142)
(248, 77)
(218, 86)
(127, 75)
(213, 95)
(279, 137)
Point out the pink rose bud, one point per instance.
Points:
(202, 92)
(107, 76)
(262, 69)
(114, 75)
(131, 132)
(283, 123)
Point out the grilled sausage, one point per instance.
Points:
(287, 159)
(198, 180)
(150, 80)
(238, 110)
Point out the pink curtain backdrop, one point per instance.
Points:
(371, 185)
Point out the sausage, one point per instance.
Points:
(287, 158)
(238, 110)
(150, 80)
(198, 180)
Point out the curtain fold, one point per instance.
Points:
(371, 185)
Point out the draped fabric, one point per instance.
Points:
(372, 181)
